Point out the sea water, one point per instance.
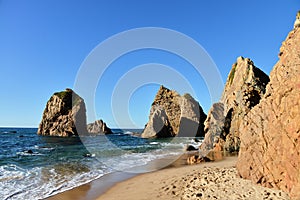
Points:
(36, 167)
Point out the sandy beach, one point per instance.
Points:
(211, 180)
(214, 180)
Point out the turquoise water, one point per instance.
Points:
(35, 167)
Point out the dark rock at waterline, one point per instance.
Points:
(197, 140)
(89, 155)
(29, 151)
(191, 148)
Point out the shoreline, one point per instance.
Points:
(100, 186)
(112, 192)
(177, 180)
(210, 180)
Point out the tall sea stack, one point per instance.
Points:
(174, 115)
(64, 115)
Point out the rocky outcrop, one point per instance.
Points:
(270, 134)
(213, 127)
(174, 115)
(244, 88)
(64, 115)
(192, 117)
(158, 125)
(98, 127)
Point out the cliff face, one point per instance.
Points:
(172, 114)
(64, 115)
(244, 88)
(270, 134)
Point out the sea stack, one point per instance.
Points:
(244, 88)
(98, 127)
(64, 115)
(174, 115)
(270, 134)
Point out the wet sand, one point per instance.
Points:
(96, 188)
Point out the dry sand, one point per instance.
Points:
(216, 180)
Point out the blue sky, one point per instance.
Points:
(43, 45)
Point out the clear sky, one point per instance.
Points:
(44, 42)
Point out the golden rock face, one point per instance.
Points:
(270, 134)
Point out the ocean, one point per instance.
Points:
(36, 167)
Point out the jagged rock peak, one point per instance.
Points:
(270, 134)
(64, 115)
(243, 75)
(175, 115)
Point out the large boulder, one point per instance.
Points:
(270, 135)
(64, 115)
(244, 88)
(98, 127)
(174, 115)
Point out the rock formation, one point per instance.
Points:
(297, 22)
(158, 125)
(192, 117)
(213, 126)
(172, 115)
(244, 88)
(98, 127)
(270, 134)
(64, 115)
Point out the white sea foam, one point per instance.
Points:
(66, 172)
(38, 183)
(153, 143)
(29, 154)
